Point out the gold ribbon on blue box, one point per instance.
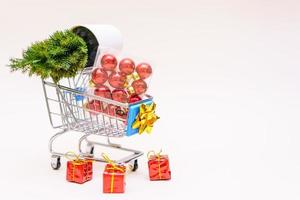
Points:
(146, 118)
(133, 114)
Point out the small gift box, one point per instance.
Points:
(159, 168)
(141, 117)
(79, 170)
(113, 177)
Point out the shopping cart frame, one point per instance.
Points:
(71, 119)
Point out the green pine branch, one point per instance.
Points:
(62, 55)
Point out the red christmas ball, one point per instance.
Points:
(109, 62)
(116, 111)
(104, 107)
(99, 76)
(144, 70)
(94, 105)
(111, 110)
(139, 86)
(117, 80)
(127, 66)
(103, 91)
(134, 98)
(120, 95)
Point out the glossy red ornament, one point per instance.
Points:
(104, 107)
(109, 62)
(127, 66)
(117, 80)
(134, 98)
(120, 95)
(139, 86)
(111, 110)
(94, 105)
(99, 76)
(144, 70)
(103, 91)
(116, 111)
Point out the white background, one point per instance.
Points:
(226, 83)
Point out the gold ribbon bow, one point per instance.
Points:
(146, 118)
(129, 79)
(158, 156)
(114, 167)
(70, 155)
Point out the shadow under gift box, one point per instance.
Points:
(79, 171)
(159, 168)
(114, 179)
(133, 112)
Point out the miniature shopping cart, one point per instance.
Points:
(66, 104)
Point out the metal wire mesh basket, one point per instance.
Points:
(77, 110)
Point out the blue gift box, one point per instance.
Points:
(133, 111)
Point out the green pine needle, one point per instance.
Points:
(62, 55)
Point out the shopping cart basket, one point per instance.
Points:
(68, 112)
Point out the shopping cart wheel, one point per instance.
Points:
(135, 165)
(55, 162)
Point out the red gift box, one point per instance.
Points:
(159, 168)
(79, 170)
(114, 178)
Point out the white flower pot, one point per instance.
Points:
(98, 37)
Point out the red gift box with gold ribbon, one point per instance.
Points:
(113, 177)
(159, 166)
(79, 170)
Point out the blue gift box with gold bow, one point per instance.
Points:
(133, 112)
